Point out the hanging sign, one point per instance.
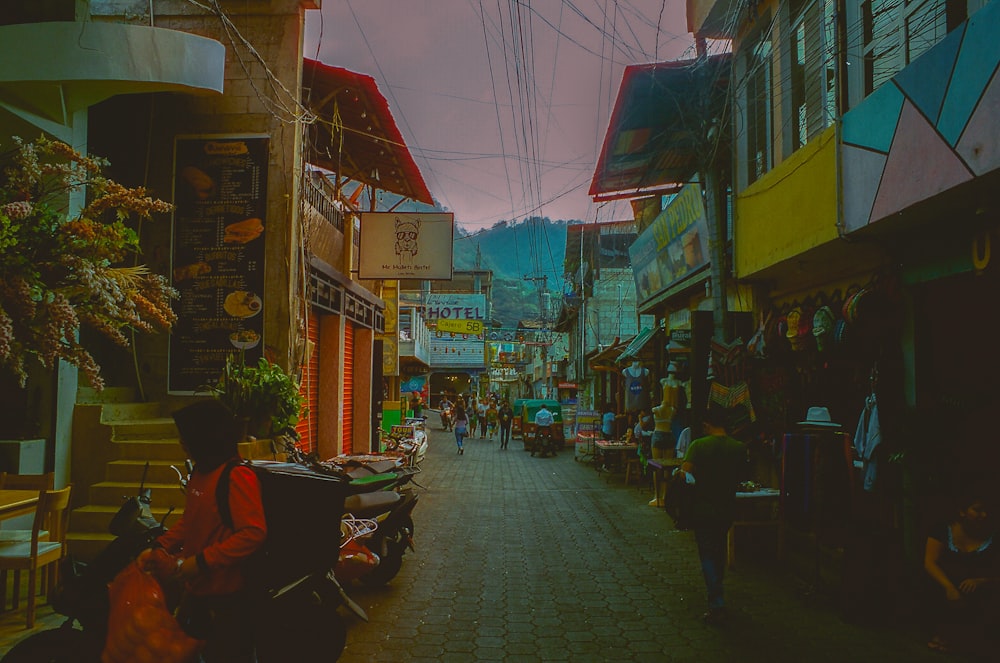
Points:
(401, 245)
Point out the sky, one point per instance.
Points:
(503, 104)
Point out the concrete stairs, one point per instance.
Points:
(113, 438)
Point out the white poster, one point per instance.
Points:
(453, 349)
(400, 245)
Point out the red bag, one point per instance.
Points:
(140, 628)
(354, 561)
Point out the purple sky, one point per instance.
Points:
(431, 62)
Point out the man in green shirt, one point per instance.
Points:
(715, 464)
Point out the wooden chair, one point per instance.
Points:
(36, 554)
(37, 482)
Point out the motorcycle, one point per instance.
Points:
(447, 418)
(544, 442)
(390, 508)
(82, 596)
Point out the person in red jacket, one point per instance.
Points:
(200, 550)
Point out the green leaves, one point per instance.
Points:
(263, 396)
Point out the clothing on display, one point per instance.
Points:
(636, 387)
(866, 441)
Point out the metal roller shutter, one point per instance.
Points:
(308, 425)
(348, 387)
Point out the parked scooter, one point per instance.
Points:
(83, 592)
(391, 508)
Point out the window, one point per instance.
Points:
(810, 54)
(756, 100)
(890, 34)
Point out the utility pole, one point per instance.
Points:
(543, 315)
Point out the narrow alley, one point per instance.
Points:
(543, 559)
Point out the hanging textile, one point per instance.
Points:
(866, 440)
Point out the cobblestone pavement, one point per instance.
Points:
(542, 559)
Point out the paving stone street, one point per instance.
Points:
(543, 559)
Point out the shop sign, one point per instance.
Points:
(567, 385)
(674, 245)
(399, 245)
(217, 256)
(460, 326)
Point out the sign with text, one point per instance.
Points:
(455, 349)
(674, 245)
(217, 256)
(401, 245)
(460, 326)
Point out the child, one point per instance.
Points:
(492, 418)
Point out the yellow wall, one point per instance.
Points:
(789, 210)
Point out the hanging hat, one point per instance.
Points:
(671, 368)
(819, 416)
(823, 323)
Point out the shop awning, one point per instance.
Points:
(653, 144)
(355, 135)
(636, 345)
(604, 360)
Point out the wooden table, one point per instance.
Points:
(747, 515)
(15, 503)
(611, 455)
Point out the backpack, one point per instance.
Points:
(302, 508)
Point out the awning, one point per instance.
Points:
(369, 148)
(636, 345)
(604, 360)
(653, 143)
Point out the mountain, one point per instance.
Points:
(527, 262)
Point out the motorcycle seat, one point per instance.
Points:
(366, 505)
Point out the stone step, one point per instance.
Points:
(113, 493)
(114, 413)
(106, 395)
(152, 428)
(95, 519)
(131, 470)
(85, 546)
(151, 449)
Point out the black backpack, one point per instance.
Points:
(303, 509)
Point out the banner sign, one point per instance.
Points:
(400, 245)
(390, 338)
(460, 326)
(675, 244)
(217, 256)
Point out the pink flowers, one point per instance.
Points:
(59, 272)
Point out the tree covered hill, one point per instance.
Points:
(521, 255)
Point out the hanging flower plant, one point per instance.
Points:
(61, 272)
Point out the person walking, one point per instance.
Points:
(492, 418)
(461, 428)
(715, 464)
(481, 419)
(471, 412)
(505, 415)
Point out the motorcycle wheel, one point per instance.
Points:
(392, 561)
(61, 645)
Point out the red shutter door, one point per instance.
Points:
(309, 388)
(348, 387)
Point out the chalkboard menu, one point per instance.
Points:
(217, 258)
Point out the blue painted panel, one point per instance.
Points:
(976, 63)
(872, 123)
(926, 80)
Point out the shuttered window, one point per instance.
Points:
(348, 422)
(307, 426)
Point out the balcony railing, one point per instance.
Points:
(321, 197)
(414, 337)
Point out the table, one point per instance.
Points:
(748, 514)
(17, 503)
(660, 467)
(611, 455)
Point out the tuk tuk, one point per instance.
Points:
(515, 424)
(529, 408)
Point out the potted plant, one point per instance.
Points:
(264, 397)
